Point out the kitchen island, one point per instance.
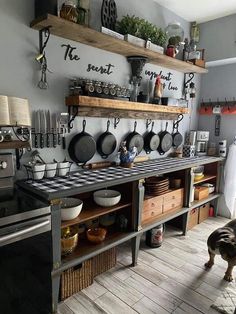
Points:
(130, 183)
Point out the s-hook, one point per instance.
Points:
(116, 122)
(74, 113)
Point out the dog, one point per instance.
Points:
(223, 241)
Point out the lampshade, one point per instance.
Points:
(14, 111)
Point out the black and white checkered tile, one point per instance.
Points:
(88, 177)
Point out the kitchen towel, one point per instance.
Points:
(230, 180)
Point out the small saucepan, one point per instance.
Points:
(82, 147)
(151, 141)
(135, 139)
(165, 141)
(106, 143)
(177, 136)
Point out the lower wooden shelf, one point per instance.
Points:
(205, 200)
(14, 145)
(86, 250)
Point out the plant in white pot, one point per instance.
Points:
(129, 27)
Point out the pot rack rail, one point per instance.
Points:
(223, 107)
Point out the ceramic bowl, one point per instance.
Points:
(50, 170)
(70, 208)
(106, 198)
(107, 220)
(96, 235)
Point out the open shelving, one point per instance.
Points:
(205, 178)
(88, 36)
(198, 203)
(14, 145)
(92, 211)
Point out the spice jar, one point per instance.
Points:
(69, 11)
(98, 87)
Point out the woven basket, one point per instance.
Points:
(104, 261)
(73, 280)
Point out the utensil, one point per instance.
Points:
(37, 128)
(54, 130)
(43, 127)
(49, 127)
(165, 141)
(134, 139)
(82, 147)
(177, 136)
(151, 141)
(34, 124)
(59, 131)
(106, 143)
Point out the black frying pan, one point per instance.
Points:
(165, 141)
(82, 147)
(106, 143)
(134, 139)
(177, 136)
(151, 141)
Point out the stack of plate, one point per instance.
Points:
(157, 185)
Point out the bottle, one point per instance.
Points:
(158, 90)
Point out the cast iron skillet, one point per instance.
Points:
(165, 141)
(106, 143)
(82, 147)
(151, 141)
(134, 139)
(176, 136)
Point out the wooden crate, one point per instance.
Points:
(201, 192)
(193, 218)
(76, 278)
(203, 212)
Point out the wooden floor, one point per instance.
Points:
(169, 279)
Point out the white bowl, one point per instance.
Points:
(70, 208)
(38, 171)
(106, 198)
(50, 170)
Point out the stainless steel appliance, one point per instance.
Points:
(202, 139)
(25, 249)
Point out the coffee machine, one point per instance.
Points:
(202, 139)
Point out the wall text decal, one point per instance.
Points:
(69, 53)
(101, 69)
(164, 77)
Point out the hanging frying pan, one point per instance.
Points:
(82, 147)
(165, 141)
(176, 136)
(151, 141)
(106, 143)
(134, 139)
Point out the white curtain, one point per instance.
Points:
(230, 180)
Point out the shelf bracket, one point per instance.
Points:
(73, 112)
(44, 35)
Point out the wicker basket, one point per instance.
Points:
(73, 280)
(104, 261)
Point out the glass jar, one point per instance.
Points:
(98, 87)
(105, 88)
(69, 11)
(112, 89)
(175, 33)
(89, 86)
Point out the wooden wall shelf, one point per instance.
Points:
(111, 108)
(14, 145)
(88, 36)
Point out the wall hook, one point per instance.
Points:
(116, 122)
(73, 114)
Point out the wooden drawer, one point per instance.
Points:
(173, 200)
(193, 218)
(152, 207)
(203, 212)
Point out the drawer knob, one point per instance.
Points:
(153, 204)
(152, 213)
(173, 197)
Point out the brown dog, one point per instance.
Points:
(223, 241)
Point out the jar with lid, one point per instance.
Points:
(105, 88)
(69, 11)
(89, 86)
(98, 87)
(112, 89)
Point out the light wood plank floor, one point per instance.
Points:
(169, 279)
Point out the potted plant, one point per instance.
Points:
(129, 27)
(158, 40)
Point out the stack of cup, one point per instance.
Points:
(223, 148)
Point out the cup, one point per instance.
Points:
(50, 170)
(38, 171)
(63, 168)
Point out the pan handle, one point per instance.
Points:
(152, 126)
(135, 126)
(84, 125)
(166, 126)
(108, 125)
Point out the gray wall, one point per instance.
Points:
(20, 73)
(218, 38)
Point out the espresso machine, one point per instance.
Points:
(202, 139)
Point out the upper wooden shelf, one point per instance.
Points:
(69, 30)
(14, 145)
(112, 108)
